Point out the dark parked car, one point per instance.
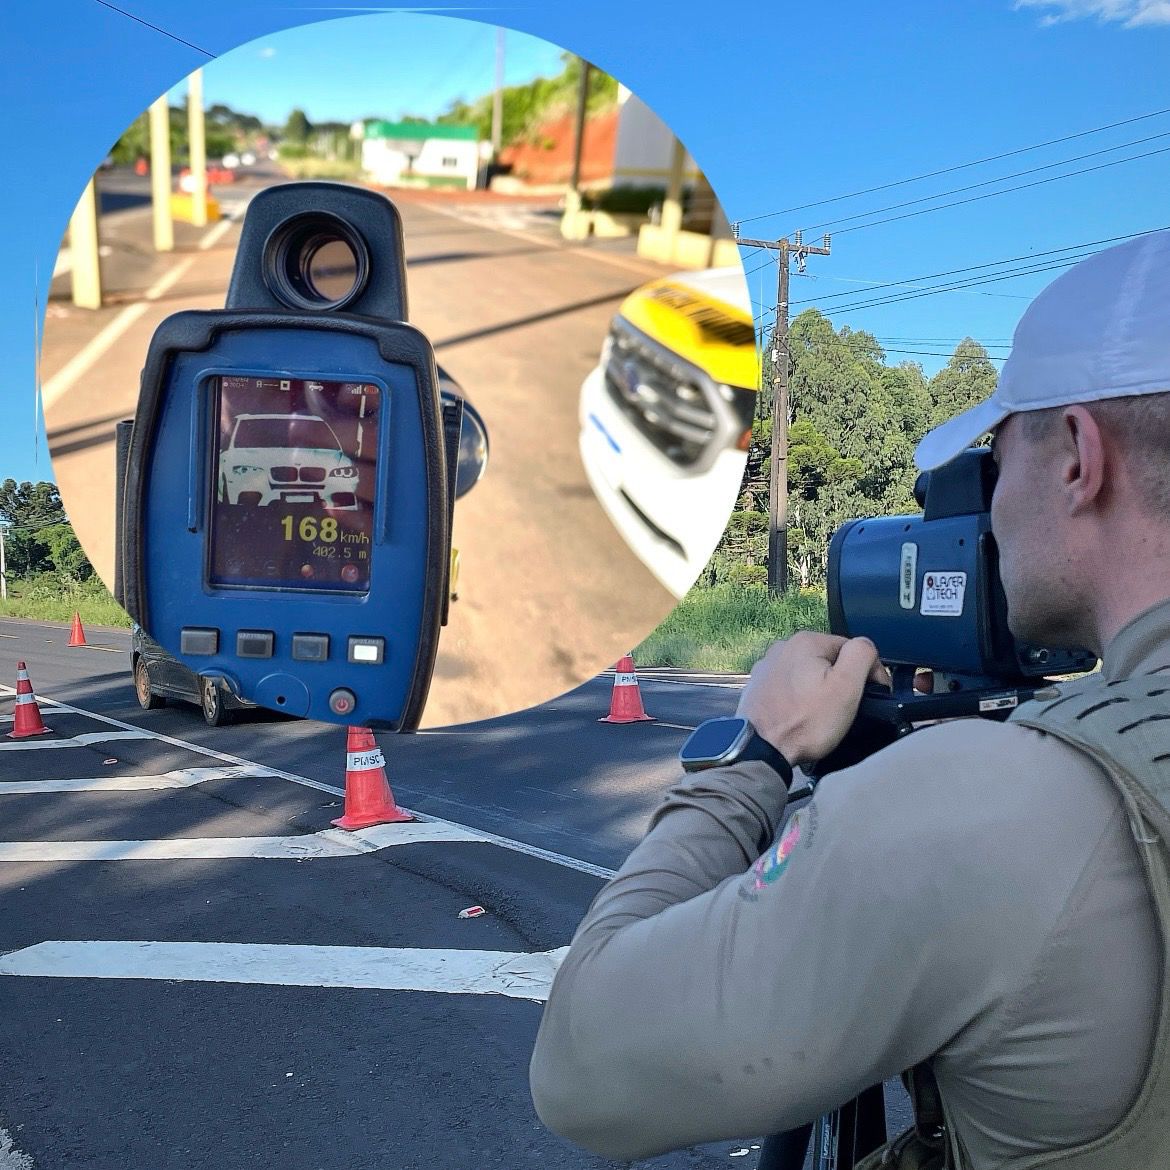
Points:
(159, 676)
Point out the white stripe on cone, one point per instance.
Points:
(364, 761)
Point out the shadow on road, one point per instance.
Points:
(534, 318)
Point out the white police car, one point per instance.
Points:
(666, 417)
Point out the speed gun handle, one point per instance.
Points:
(886, 716)
(122, 433)
(452, 428)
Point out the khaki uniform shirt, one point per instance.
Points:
(970, 895)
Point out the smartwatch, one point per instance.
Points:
(716, 743)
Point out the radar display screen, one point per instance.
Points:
(294, 463)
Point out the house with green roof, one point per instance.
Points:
(421, 154)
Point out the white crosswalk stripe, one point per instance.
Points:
(303, 846)
(514, 974)
(177, 778)
(86, 740)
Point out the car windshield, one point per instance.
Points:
(285, 431)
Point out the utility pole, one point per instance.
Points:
(197, 148)
(3, 563)
(498, 99)
(778, 486)
(160, 175)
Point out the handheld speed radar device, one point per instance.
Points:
(290, 474)
(925, 589)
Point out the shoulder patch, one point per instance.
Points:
(771, 866)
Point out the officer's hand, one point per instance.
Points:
(804, 693)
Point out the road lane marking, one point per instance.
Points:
(517, 975)
(216, 234)
(84, 360)
(733, 682)
(10, 1157)
(177, 778)
(301, 847)
(90, 737)
(522, 847)
(646, 268)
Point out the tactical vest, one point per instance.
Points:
(1125, 727)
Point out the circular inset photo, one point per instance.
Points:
(399, 397)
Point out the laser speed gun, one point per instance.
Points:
(291, 471)
(925, 589)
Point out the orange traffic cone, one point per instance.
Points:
(27, 714)
(368, 799)
(77, 634)
(625, 706)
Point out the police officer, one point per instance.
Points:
(986, 903)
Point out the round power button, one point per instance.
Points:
(342, 701)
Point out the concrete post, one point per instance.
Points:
(197, 141)
(160, 175)
(83, 247)
(672, 211)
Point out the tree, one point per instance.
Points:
(526, 106)
(40, 538)
(65, 553)
(297, 128)
(27, 503)
(969, 377)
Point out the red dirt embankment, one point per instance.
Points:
(546, 156)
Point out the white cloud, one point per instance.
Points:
(1127, 13)
(267, 51)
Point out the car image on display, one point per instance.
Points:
(286, 458)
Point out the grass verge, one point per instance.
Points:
(48, 600)
(729, 627)
(345, 170)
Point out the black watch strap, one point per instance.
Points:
(758, 748)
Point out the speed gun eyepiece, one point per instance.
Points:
(316, 261)
(291, 471)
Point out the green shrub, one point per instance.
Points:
(50, 597)
(728, 627)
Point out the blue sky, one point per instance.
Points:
(782, 104)
(371, 66)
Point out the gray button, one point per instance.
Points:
(367, 651)
(255, 643)
(310, 647)
(342, 701)
(198, 640)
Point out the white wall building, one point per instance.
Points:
(642, 152)
(415, 154)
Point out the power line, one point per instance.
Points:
(155, 27)
(957, 286)
(1027, 256)
(989, 182)
(960, 166)
(1005, 191)
(926, 353)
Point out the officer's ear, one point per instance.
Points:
(1083, 456)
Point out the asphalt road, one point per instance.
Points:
(160, 1007)
(549, 593)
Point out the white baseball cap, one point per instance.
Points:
(1100, 330)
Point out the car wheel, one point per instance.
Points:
(215, 714)
(147, 699)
